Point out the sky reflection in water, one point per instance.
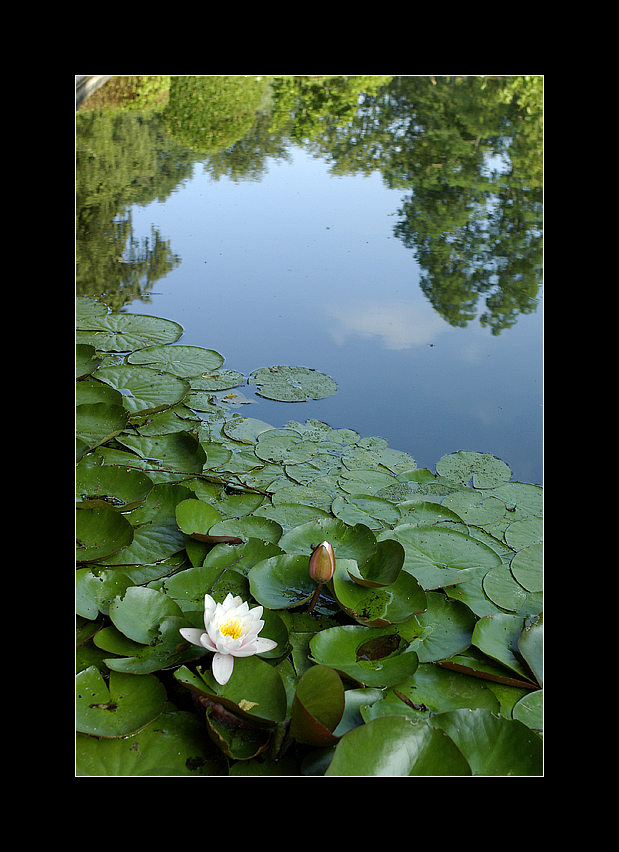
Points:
(303, 268)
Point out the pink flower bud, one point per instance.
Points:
(322, 563)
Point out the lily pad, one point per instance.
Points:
(292, 384)
(318, 707)
(182, 361)
(113, 487)
(195, 518)
(394, 746)
(100, 532)
(491, 744)
(282, 582)
(438, 556)
(371, 655)
(144, 391)
(118, 332)
(377, 605)
(486, 470)
(348, 542)
(97, 423)
(176, 744)
(443, 629)
(122, 707)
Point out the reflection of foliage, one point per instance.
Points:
(302, 105)
(209, 114)
(475, 228)
(467, 151)
(122, 159)
(131, 92)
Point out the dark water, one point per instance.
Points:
(395, 248)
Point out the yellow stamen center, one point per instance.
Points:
(232, 628)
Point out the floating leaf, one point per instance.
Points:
(86, 360)
(292, 384)
(95, 424)
(282, 582)
(438, 556)
(394, 746)
(124, 706)
(118, 332)
(195, 518)
(96, 589)
(182, 361)
(357, 542)
(100, 532)
(531, 646)
(486, 470)
(113, 487)
(388, 662)
(176, 744)
(318, 707)
(527, 567)
(144, 391)
(493, 745)
(443, 629)
(497, 636)
(377, 605)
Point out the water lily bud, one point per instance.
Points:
(322, 563)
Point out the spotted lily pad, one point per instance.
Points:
(292, 384)
(486, 470)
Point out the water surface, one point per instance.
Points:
(294, 263)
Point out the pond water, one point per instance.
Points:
(382, 237)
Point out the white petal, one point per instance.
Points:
(222, 668)
(262, 645)
(192, 634)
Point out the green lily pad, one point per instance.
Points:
(118, 332)
(292, 384)
(377, 605)
(433, 689)
(486, 470)
(96, 589)
(497, 636)
(438, 556)
(99, 422)
(282, 582)
(86, 360)
(144, 391)
(100, 532)
(374, 512)
(317, 707)
(176, 744)
(527, 567)
(348, 542)
(178, 452)
(195, 518)
(530, 710)
(531, 646)
(394, 746)
(371, 655)
(443, 629)
(114, 487)
(493, 745)
(182, 361)
(118, 708)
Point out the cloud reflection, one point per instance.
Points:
(399, 325)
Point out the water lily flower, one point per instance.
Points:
(322, 563)
(231, 630)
